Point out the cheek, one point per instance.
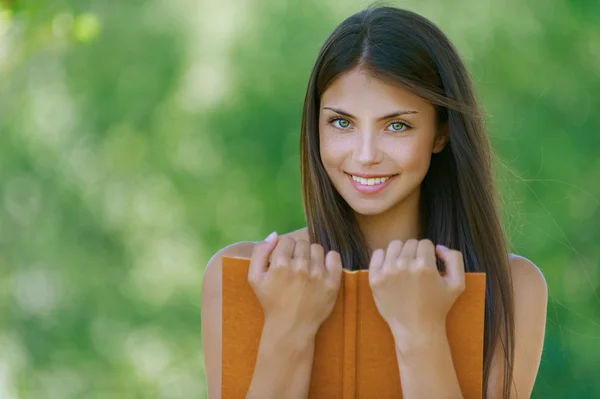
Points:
(333, 150)
(414, 155)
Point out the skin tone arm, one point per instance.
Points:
(297, 292)
(423, 360)
(407, 273)
(284, 364)
(422, 347)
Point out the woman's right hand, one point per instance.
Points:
(299, 288)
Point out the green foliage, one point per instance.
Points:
(139, 137)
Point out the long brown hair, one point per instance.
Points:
(459, 204)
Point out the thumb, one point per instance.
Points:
(455, 268)
(260, 258)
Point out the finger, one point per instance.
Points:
(301, 259)
(317, 258)
(455, 268)
(283, 252)
(260, 257)
(394, 250)
(376, 266)
(333, 265)
(409, 249)
(426, 251)
(377, 260)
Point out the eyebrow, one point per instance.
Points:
(392, 115)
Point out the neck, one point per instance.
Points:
(401, 222)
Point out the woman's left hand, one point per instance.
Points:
(409, 291)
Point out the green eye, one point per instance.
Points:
(397, 126)
(340, 123)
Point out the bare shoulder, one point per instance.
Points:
(242, 249)
(527, 276)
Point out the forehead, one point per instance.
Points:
(356, 91)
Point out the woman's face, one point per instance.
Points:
(370, 128)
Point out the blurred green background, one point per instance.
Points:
(139, 137)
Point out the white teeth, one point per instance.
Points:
(370, 182)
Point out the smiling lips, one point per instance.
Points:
(370, 185)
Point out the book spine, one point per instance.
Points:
(350, 330)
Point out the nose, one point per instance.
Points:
(368, 149)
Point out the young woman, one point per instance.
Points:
(395, 159)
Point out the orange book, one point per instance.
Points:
(355, 355)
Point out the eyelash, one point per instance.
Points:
(337, 118)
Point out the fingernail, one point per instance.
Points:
(271, 236)
(442, 248)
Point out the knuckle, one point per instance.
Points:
(401, 263)
(420, 263)
(301, 264)
(316, 274)
(281, 262)
(302, 272)
(390, 271)
(412, 241)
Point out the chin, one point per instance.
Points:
(376, 208)
(368, 212)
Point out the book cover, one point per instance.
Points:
(355, 354)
